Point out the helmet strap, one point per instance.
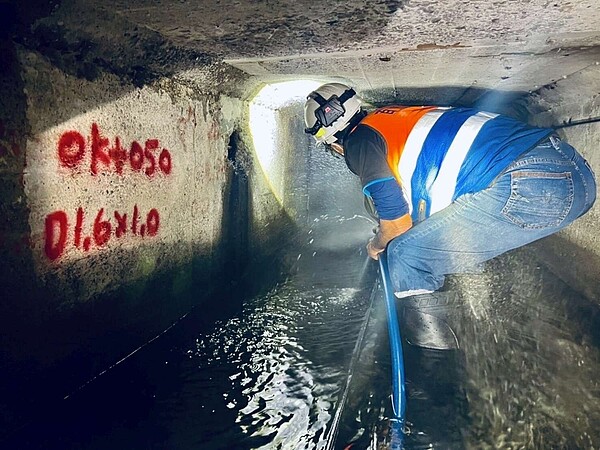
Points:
(329, 149)
(341, 135)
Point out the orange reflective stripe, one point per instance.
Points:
(395, 123)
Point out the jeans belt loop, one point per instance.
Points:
(555, 141)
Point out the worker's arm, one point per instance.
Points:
(366, 156)
(388, 230)
(393, 212)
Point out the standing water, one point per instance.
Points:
(274, 374)
(308, 360)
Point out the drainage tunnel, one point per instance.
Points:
(183, 268)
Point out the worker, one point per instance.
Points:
(451, 187)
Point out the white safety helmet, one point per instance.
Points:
(330, 109)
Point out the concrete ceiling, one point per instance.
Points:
(380, 46)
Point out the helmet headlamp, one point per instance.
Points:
(329, 110)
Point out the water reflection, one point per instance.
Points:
(288, 352)
(273, 375)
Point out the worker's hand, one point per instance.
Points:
(387, 230)
(373, 250)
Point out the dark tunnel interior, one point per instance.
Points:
(184, 268)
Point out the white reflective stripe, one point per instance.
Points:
(412, 150)
(443, 188)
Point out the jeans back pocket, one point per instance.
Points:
(539, 199)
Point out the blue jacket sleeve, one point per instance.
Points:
(388, 198)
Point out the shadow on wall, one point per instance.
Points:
(47, 356)
(248, 267)
(49, 352)
(236, 213)
(16, 263)
(512, 104)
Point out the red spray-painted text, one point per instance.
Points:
(58, 229)
(151, 158)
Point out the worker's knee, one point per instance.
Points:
(410, 272)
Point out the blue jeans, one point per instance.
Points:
(541, 192)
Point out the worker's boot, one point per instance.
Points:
(429, 320)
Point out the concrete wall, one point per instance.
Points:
(122, 209)
(130, 189)
(573, 254)
(124, 189)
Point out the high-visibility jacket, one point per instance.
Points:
(437, 154)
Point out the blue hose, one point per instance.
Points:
(399, 392)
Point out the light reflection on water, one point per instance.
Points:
(526, 376)
(283, 360)
(272, 375)
(287, 351)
